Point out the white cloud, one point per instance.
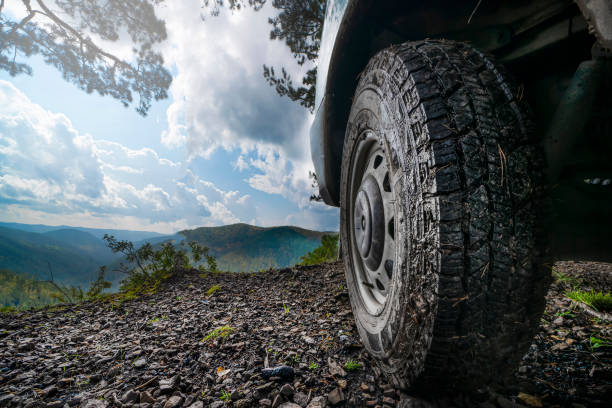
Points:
(46, 165)
(220, 98)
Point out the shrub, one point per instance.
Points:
(326, 252)
(221, 332)
(148, 267)
(602, 302)
(352, 365)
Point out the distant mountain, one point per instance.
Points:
(74, 256)
(96, 232)
(76, 253)
(245, 248)
(80, 239)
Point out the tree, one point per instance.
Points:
(299, 25)
(63, 34)
(148, 267)
(326, 252)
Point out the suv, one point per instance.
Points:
(466, 145)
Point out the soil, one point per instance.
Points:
(158, 351)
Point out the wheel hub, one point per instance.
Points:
(370, 222)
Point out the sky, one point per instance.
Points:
(223, 148)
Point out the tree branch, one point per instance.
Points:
(21, 24)
(65, 26)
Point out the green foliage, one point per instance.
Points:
(60, 35)
(225, 396)
(313, 366)
(98, 286)
(599, 301)
(326, 252)
(352, 365)
(213, 289)
(19, 291)
(220, 332)
(299, 25)
(596, 343)
(292, 360)
(564, 279)
(148, 267)
(286, 309)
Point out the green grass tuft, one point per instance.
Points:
(225, 396)
(213, 289)
(597, 343)
(313, 366)
(352, 365)
(221, 332)
(562, 278)
(601, 302)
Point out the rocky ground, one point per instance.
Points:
(162, 350)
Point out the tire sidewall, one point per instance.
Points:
(399, 336)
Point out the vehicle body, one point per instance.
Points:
(550, 37)
(557, 51)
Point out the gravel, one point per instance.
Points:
(291, 332)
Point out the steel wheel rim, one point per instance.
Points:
(372, 216)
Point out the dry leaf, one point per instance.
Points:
(530, 400)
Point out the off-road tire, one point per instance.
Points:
(467, 287)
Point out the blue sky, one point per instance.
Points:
(223, 148)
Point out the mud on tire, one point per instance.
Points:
(466, 289)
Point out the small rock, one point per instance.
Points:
(289, 405)
(95, 378)
(389, 401)
(55, 404)
(308, 340)
(27, 345)
(335, 368)
(140, 363)
(49, 391)
(558, 321)
(216, 404)
(300, 398)
(336, 396)
(235, 395)
(94, 403)
(146, 398)
(242, 403)
(264, 387)
(318, 402)
(197, 404)
(559, 346)
(174, 402)
(284, 372)
(265, 403)
(287, 390)
(130, 396)
(168, 385)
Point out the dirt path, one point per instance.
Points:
(150, 352)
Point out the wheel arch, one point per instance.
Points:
(369, 26)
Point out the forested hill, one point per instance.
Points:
(73, 256)
(244, 248)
